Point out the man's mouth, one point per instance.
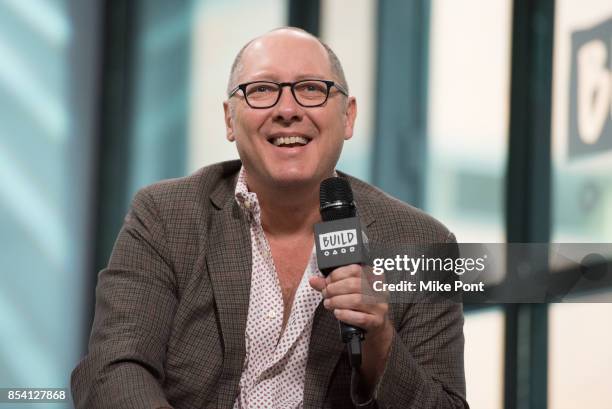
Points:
(289, 141)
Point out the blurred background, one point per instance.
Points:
(494, 116)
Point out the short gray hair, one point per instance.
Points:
(334, 61)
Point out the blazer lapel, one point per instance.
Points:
(323, 354)
(229, 264)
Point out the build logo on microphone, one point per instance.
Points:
(338, 242)
(590, 110)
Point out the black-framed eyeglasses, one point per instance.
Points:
(307, 93)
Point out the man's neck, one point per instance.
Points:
(292, 211)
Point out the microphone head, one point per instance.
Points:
(336, 199)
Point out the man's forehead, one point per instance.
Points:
(285, 48)
(285, 37)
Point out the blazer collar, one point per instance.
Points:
(228, 261)
(223, 194)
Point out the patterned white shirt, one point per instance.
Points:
(275, 363)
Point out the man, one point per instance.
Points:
(212, 297)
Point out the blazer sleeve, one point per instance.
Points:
(135, 304)
(424, 369)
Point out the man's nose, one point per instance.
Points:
(287, 109)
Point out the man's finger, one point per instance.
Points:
(318, 283)
(349, 285)
(352, 270)
(356, 318)
(348, 301)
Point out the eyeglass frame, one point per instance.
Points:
(242, 87)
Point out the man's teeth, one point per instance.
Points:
(288, 140)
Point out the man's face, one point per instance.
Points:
(288, 56)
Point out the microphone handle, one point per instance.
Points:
(348, 332)
(352, 337)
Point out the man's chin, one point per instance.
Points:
(288, 179)
(292, 181)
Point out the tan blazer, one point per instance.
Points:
(171, 309)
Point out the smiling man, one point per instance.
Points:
(212, 296)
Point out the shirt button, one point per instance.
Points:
(247, 205)
(271, 314)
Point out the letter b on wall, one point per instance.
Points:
(590, 116)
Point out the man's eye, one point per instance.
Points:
(261, 89)
(311, 87)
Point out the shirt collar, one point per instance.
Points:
(246, 200)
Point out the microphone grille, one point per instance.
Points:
(335, 189)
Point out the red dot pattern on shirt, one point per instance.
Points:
(275, 364)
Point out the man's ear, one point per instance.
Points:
(229, 122)
(350, 115)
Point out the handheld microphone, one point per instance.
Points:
(339, 242)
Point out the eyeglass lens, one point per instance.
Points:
(307, 93)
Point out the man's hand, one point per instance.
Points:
(343, 295)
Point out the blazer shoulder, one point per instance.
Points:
(183, 204)
(395, 220)
(217, 179)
